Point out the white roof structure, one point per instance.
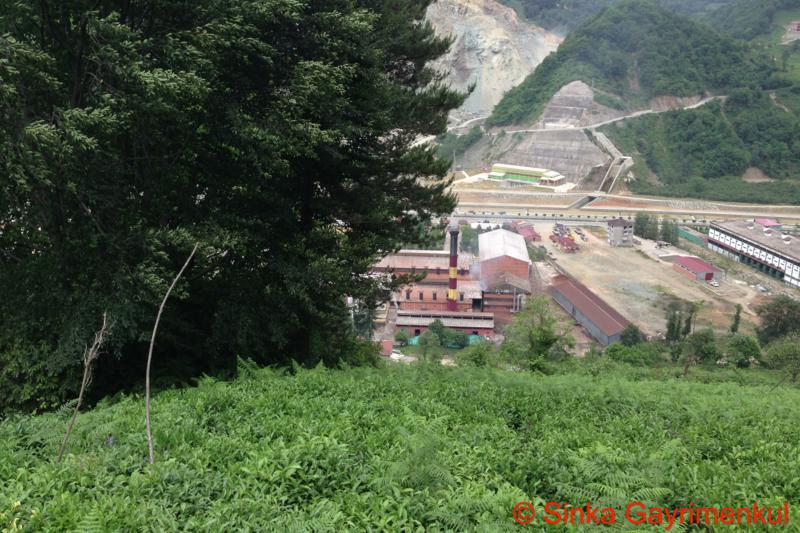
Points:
(500, 242)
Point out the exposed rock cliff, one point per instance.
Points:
(492, 49)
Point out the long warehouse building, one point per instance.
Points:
(601, 321)
(761, 244)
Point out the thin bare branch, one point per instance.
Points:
(148, 424)
(89, 355)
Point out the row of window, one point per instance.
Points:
(776, 261)
(421, 296)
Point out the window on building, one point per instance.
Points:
(434, 296)
(408, 295)
(420, 295)
(460, 296)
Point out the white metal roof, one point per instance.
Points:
(502, 242)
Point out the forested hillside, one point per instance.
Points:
(705, 152)
(422, 448)
(637, 50)
(746, 19)
(274, 135)
(565, 15)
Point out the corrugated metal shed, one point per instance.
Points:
(500, 242)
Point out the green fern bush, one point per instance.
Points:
(400, 449)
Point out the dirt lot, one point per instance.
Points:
(641, 286)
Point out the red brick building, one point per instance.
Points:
(696, 269)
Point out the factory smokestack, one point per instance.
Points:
(452, 285)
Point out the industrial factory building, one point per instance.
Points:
(696, 269)
(620, 232)
(761, 244)
(601, 321)
(505, 270)
(494, 286)
(434, 263)
(416, 323)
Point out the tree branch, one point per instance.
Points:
(89, 355)
(148, 425)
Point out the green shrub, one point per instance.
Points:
(450, 449)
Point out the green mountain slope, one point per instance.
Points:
(746, 19)
(402, 449)
(565, 15)
(704, 152)
(636, 49)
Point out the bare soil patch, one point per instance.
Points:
(755, 175)
(641, 287)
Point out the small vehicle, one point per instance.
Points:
(714, 283)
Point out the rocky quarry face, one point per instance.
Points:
(492, 49)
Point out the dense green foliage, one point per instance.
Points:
(451, 144)
(536, 336)
(636, 50)
(779, 317)
(745, 19)
(703, 152)
(402, 449)
(784, 353)
(564, 15)
(276, 133)
(448, 337)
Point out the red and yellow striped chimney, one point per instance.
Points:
(452, 285)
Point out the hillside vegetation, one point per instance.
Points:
(564, 16)
(636, 50)
(254, 133)
(704, 152)
(400, 449)
(746, 19)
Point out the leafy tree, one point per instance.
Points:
(480, 354)
(430, 347)
(688, 324)
(743, 347)
(699, 347)
(737, 318)
(363, 319)
(641, 223)
(535, 335)
(402, 337)
(779, 317)
(437, 328)
(277, 134)
(669, 232)
(469, 239)
(641, 354)
(674, 320)
(784, 353)
(631, 335)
